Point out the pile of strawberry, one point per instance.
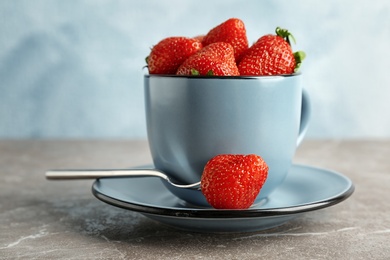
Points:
(224, 51)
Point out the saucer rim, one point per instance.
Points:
(211, 213)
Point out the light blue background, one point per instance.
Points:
(73, 69)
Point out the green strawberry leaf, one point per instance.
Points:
(147, 63)
(285, 34)
(210, 73)
(299, 57)
(195, 72)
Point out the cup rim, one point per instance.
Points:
(221, 77)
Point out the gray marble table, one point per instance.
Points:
(42, 219)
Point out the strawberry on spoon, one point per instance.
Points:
(231, 181)
(228, 181)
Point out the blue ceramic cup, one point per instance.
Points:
(191, 119)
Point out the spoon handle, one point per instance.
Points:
(95, 174)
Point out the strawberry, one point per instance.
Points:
(271, 55)
(231, 31)
(167, 55)
(232, 181)
(215, 59)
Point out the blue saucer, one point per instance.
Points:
(305, 189)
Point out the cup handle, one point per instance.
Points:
(305, 116)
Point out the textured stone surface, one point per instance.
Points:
(42, 219)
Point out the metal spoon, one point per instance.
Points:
(96, 174)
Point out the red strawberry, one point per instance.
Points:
(231, 31)
(169, 53)
(271, 55)
(215, 59)
(233, 181)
